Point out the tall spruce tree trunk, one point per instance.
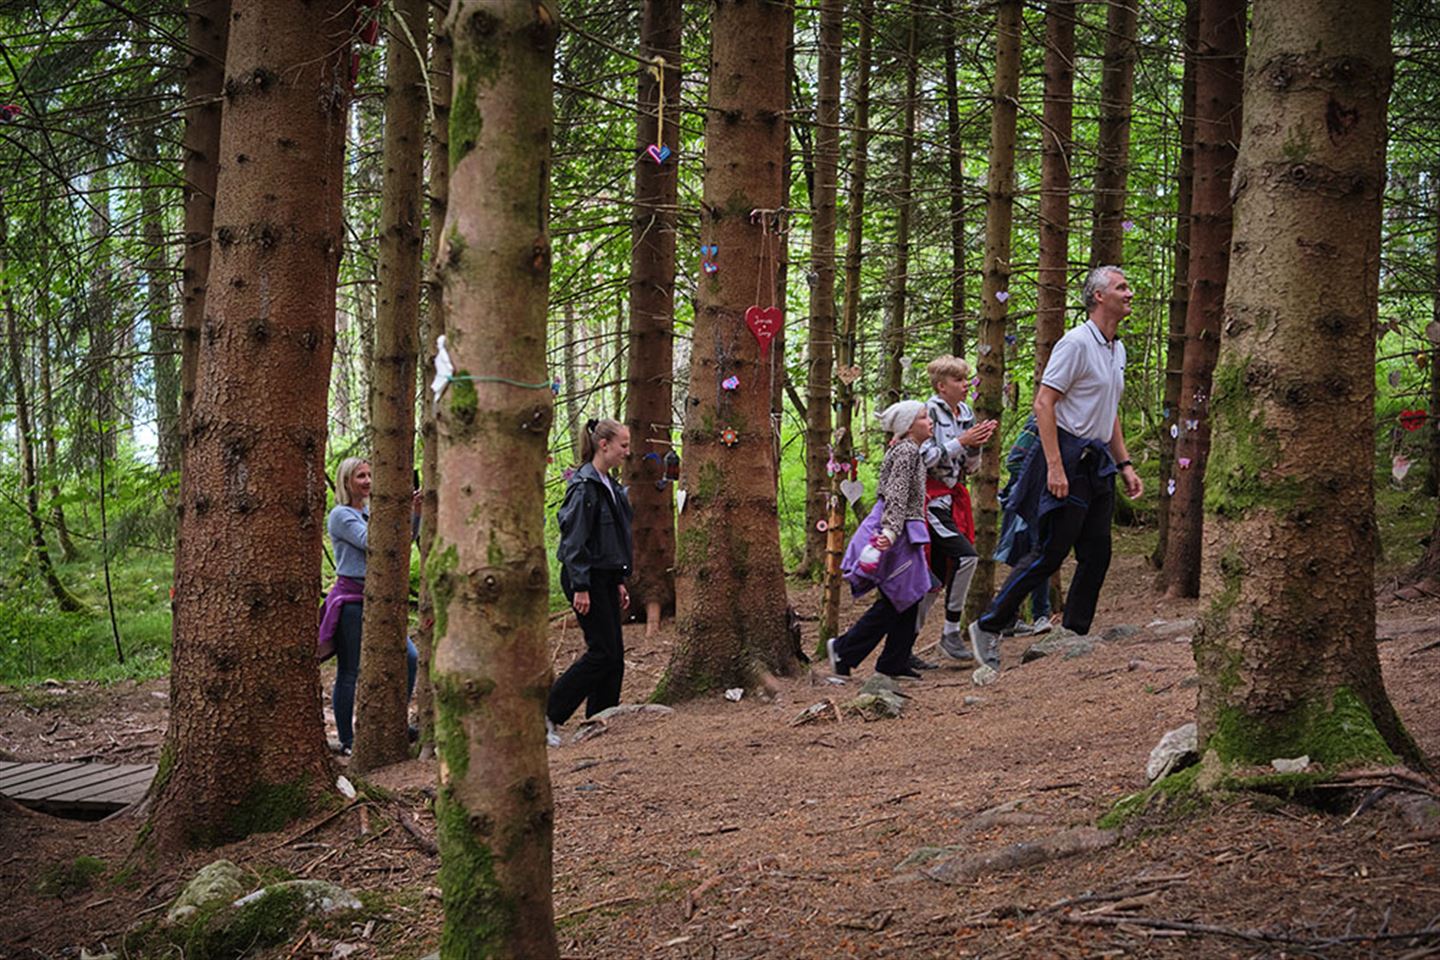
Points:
(1432, 478)
(1112, 169)
(488, 568)
(894, 331)
(1286, 653)
(571, 366)
(102, 366)
(48, 441)
(845, 339)
(1179, 292)
(1219, 87)
(206, 35)
(432, 324)
(1055, 180)
(245, 748)
(728, 543)
(650, 385)
(163, 342)
(821, 351)
(382, 704)
(955, 170)
(990, 359)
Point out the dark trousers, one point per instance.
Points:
(945, 556)
(882, 620)
(596, 677)
(347, 669)
(1087, 531)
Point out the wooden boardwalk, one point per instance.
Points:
(83, 789)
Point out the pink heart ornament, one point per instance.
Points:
(658, 152)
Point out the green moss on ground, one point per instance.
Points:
(72, 877)
(268, 807)
(1336, 734)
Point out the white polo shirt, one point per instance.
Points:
(1090, 371)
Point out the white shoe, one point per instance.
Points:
(985, 645)
(1041, 625)
(552, 736)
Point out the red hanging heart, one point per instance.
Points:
(765, 323)
(1409, 419)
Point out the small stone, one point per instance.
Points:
(1146, 665)
(1290, 765)
(876, 706)
(973, 701)
(218, 882)
(1172, 628)
(320, 896)
(1119, 632)
(984, 675)
(1175, 751)
(1079, 647)
(342, 950)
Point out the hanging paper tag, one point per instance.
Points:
(765, 324)
(680, 497)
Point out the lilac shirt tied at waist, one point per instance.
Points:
(346, 590)
(902, 574)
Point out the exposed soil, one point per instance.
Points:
(726, 831)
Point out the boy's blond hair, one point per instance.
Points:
(946, 368)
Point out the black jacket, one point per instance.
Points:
(594, 530)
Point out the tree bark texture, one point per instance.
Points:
(1055, 156)
(650, 386)
(102, 387)
(1286, 653)
(163, 342)
(955, 168)
(821, 353)
(488, 568)
(893, 334)
(432, 324)
(1219, 87)
(207, 30)
(990, 351)
(246, 748)
(382, 705)
(51, 448)
(1179, 291)
(845, 339)
(1112, 168)
(1432, 426)
(729, 581)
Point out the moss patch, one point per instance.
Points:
(438, 569)
(1167, 800)
(1242, 450)
(478, 914)
(1336, 734)
(268, 807)
(66, 879)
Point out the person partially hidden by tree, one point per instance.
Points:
(1066, 490)
(887, 552)
(1015, 542)
(951, 453)
(595, 558)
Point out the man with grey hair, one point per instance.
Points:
(1066, 489)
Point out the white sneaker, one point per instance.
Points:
(552, 736)
(1041, 625)
(835, 667)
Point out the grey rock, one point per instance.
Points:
(880, 697)
(1176, 750)
(878, 683)
(973, 701)
(1060, 641)
(218, 882)
(1164, 629)
(984, 675)
(605, 720)
(320, 896)
(1120, 631)
(1290, 764)
(1079, 647)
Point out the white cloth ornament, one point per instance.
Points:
(444, 368)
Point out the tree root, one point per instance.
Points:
(1066, 843)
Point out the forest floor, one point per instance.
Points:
(726, 831)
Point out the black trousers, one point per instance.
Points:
(596, 677)
(882, 620)
(945, 556)
(1087, 531)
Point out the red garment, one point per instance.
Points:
(959, 504)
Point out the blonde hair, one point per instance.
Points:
(595, 431)
(346, 470)
(946, 368)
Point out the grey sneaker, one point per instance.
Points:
(835, 665)
(552, 736)
(1041, 625)
(952, 644)
(985, 645)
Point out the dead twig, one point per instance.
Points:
(422, 840)
(598, 905)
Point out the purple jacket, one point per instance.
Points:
(344, 591)
(903, 575)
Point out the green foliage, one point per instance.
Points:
(66, 879)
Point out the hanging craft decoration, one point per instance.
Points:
(1170, 487)
(821, 525)
(568, 472)
(852, 490)
(905, 364)
(731, 382)
(444, 368)
(657, 150)
(1174, 431)
(1394, 378)
(1011, 339)
(765, 324)
(555, 387)
(708, 253)
(984, 349)
(1399, 467)
(1413, 419)
(729, 437)
(1184, 463)
(680, 497)
(1002, 295)
(672, 466)
(1192, 424)
(848, 375)
(1421, 359)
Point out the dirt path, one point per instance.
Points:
(724, 831)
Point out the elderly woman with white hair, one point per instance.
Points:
(895, 528)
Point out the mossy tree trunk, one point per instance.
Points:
(893, 334)
(1179, 290)
(955, 173)
(729, 582)
(488, 570)
(1432, 426)
(1286, 653)
(432, 324)
(245, 749)
(1112, 167)
(990, 348)
(821, 350)
(382, 706)
(649, 394)
(1219, 82)
(1055, 179)
(850, 315)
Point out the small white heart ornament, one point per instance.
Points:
(853, 490)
